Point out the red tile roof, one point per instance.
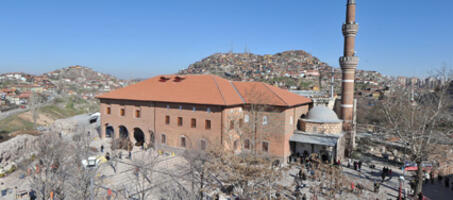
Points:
(205, 89)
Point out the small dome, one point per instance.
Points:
(322, 114)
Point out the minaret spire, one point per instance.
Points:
(348, 63)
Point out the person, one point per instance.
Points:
(360, 165)
(426, 177)
(130, 155)
(383, 176)
(102, 148)
(120, 155)
(304, 197)
(355, 165)
(376, 187)
(352, 186)
(107, 156)
(390, 172)
(447, 182)
(420, 196)
(300, 174)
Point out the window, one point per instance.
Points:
(231, 124)
(246, 118)
(164, 139)
(167, 119)
(183, 141)
(180, 107)
(179, 121)
(265, 146)
(122, 112)
(264, 120)
(208, 110)
(207, 124)
(246, 144)
(193, 109)
(203, 144)
(235, 144)
(137, 113)
(193, 123)
(168, 106)
(109, 110)
(291, 120)
(241, 123)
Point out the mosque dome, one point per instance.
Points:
(322, 114)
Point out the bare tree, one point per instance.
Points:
(50, 174)
(145, 175)
(34, 105)
(420, 120)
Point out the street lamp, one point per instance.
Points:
(401, 180)
(91, 164)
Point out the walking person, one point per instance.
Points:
(102, 148)
(130, 155)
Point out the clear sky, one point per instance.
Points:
(139, 39)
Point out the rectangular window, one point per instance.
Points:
(193, 123)
(137, 113)
(109, 110)
(241, 123)
(164, 139)
(207, 124)
(231, 124)
(265, 146)
(183, 142)
(179, 121)
(122, 112)
(167, 119)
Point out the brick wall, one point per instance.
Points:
(152, 120)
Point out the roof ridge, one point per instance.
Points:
(218, 88)
(275, 93)
(235, 89)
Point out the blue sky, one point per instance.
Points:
(139, 39)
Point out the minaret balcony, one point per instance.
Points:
(349, 62)
(350, 29)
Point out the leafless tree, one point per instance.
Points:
(51, 166)
(420, 120)
(34, 105)
(145, 176)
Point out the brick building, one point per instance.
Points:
(203, 111)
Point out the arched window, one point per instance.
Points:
(203, 144)
(183, 141)
(235, 144)
(264, 120)
(247, 144)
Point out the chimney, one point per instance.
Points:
(348, 63)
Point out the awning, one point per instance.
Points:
(314, 139)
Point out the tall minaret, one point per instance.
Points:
(348, 63)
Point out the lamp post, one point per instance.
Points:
(401, 180)
(91, 164)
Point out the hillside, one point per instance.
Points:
(290, 69)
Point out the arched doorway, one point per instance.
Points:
(109, 131)
(124, 134)
(139, 137)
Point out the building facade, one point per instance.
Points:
(200, 112)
